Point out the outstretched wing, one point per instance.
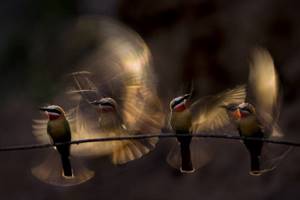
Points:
(209, 113)
(121, 69)
(263, 90)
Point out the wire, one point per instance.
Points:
(140, 137)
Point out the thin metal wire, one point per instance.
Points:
(146, 136)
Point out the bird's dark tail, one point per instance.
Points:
(254, 148)
(186, 161)
(255, 165)
(66, 165)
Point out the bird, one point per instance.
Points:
(107, 118)
(114, 93)
(58, 129)
(257, 116)
(189, 117)
(181, 121)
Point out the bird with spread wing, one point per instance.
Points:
(204, 115)
(59, 168)
(258, 115)
(250, 110)
(102, 116)
(114, 96)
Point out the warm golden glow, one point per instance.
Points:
(210, 114)
(50, 171)
(263, 79)
(120, 68)
(263, 87)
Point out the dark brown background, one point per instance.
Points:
(207, 40)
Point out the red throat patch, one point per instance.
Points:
(106, 109)
(237, 114)
(53, 116)
(180, 107)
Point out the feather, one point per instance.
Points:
(119, 67)
(263, 91)
(50, 171)
(209, 113)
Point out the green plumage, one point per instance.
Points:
(59, 131)
(250, 127)
(181, 122)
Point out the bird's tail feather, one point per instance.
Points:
(132, 150)
(66, 165)
(255, 165)
(198, 154)
(186, 160)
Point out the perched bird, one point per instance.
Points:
(203, 115)
(248, 125)
(58, 129)
(181, 121)
(257, 116)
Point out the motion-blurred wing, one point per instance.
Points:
(40, 128)
(209, 113)
(82, 88)
(121, 68)
(50, 171)
(262, 90)
(40, 131)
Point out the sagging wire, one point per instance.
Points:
(147, 136)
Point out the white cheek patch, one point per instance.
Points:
(52, 113)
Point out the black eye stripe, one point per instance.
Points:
(176, 102)
(231, 107)
(246, 110)
(55, 111)
(107, 104)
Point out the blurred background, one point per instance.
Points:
(205, 40)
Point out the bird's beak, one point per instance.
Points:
(186, 96)
(96, 103)
(237, 114)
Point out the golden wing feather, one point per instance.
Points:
(263, 90)
(209, 113)
(121, 69)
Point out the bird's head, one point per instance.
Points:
(53, 111)
(106, 104)
(240, 111)
(179, 104)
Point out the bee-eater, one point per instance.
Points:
(203, 115)
(257, 115)
(59, 169)
(249, 126)
(58, 129)
(104, 117)
(111, 122)
(181, 121)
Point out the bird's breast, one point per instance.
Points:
(108, 121)
(59, 130)
(181, 121)
(249, 126)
